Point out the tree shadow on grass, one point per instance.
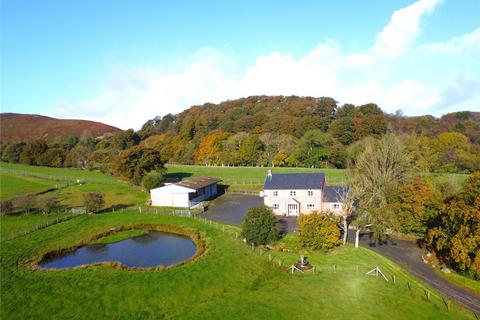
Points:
(176, 176)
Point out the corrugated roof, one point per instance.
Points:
(198, 182)
(310, 180)
(334, 193)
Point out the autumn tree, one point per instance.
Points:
(413, 205)
(318, 230)
(454, 234)
(211, 149)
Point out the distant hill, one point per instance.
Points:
(22, 127)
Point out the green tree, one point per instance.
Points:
(93, 201)
(375, 179)
(135, 162)
(153, 180)
(260, 226)
(12, 152)
(87, 140)
(78, 157)
(125, 139)
(318, 231)
(32, 151)
(250, 150)
(53, 157)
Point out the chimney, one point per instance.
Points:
(269, 174)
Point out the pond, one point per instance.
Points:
(149, 250)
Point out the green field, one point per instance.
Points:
(13, 226)
(230, 280)
(12, 185)
(247, 178)
(37, 179)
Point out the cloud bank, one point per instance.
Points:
(134, 95)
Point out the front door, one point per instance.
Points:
(293, 209)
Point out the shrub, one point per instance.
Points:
(49, 203)
(317, 231)
(26, 203)
(93, 201)
(260, 226)
(6, 207)
(152, 180)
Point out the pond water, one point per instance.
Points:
(148, 250)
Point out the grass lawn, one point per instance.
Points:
(117, 192)
(229, 280)
(247, 178)
(122, 235)
(12, 185)
(11, 226)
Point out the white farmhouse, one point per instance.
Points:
(290, 194)
(185, 194)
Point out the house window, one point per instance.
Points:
(275, 193)
(293, 193)
(276, 206)
(310, 193)
(310, 206)
(335, 206)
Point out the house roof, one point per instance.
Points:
(197, 182)
(310, 180)
(334, 193)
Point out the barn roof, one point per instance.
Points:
(334, 193)
(310, 180)
(197, 182)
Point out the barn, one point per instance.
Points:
(186, 193)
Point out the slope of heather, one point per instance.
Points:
(22, 127)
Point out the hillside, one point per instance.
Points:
(307, 132)
(23, 127)
(295, 115)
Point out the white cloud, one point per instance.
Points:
(403, 28)
(132, 96)
(469, 42)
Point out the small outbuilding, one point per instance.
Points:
(186, 193)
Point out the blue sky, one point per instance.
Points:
(123, 62)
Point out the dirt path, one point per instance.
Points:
(408, 255)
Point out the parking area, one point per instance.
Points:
(231, 208)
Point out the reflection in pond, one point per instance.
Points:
(148, 250)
